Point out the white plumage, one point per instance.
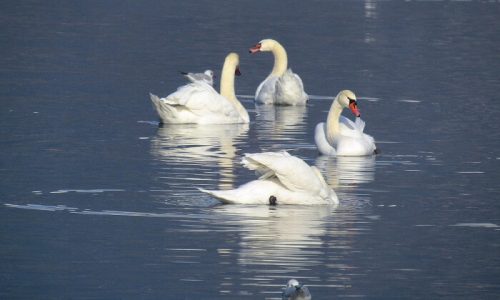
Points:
(341, 136)
(199, 103)
(282, 86)
(288, 178)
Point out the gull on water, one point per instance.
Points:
(295, 291)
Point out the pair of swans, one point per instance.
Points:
(285, 179)
(198, 102)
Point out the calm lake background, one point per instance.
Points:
(100, 202)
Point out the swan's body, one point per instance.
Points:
(282, 86)
(288, 178)
(207, 77)
(295, 291)
(341, 136)
(199, 103)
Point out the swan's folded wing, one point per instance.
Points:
(265, 91)
(290, 89)
(291, 171)
(200, 98)
(194, 95)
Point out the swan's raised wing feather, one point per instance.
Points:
(350, 128)
(291, 171)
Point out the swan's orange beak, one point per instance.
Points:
(237, 71)
(353, 106)
(255, 48)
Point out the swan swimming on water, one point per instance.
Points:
(341, 136)
(282, 86)
(199, 103)
(284, 179)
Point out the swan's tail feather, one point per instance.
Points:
(164, 107)
(156, 102)
(155, 99)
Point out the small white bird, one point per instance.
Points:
(295, 291)
(207, 76)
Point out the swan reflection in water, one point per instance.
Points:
(277, 243)
(282, 240)
(282, 127)
(347, 171)
(191, 154)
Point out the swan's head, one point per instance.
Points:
(264, 45)
(209, 73)
(233, 60)
(346, 98)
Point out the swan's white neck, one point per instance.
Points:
(332, 121)
(280, 59)
(227, 89)
(227, 82)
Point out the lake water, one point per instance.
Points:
(100, 202)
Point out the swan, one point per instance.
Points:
(207, 76)
(284, 179)
(282, 86)
(295, 291)
(199, 103)
(341, 136)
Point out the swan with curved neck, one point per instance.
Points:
(282, 86)
(199, 103)
(341, 136)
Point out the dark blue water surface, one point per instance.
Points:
(100, 202)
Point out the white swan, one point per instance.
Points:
(341, 136)
(199, 103)
(282, 86)
(207, 76)
(284, 179)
